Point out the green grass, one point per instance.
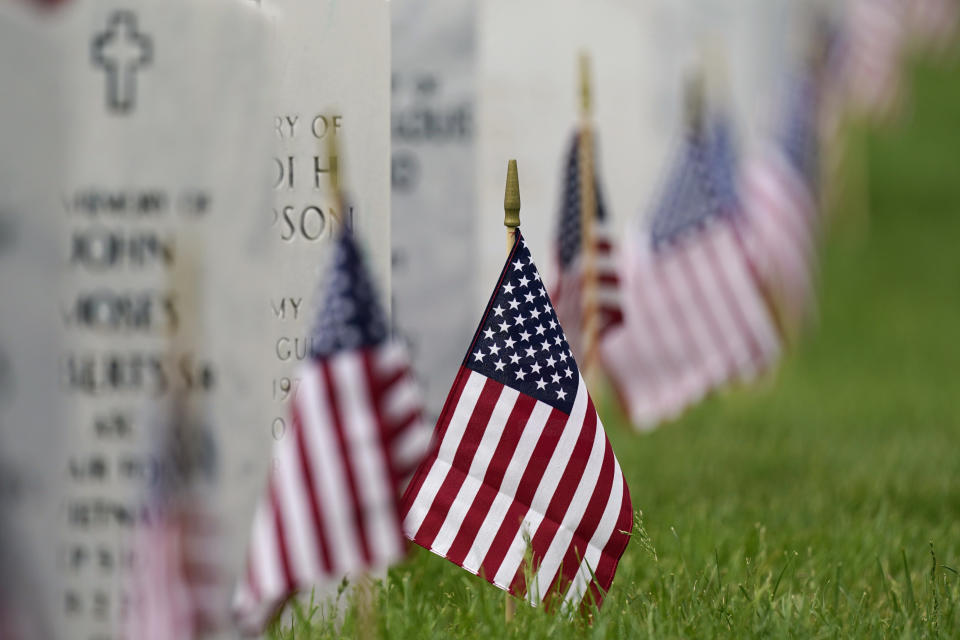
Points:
(810, 507)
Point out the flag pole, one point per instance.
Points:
(511, 220)
(588, 215)
(333, 162)
(511, 204)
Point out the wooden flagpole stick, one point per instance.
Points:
(695, 104)
(333, 162)
(588, 214)
(511, 220)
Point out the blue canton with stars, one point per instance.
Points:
(722, 171)
(350, 316)
(701, 187)
(568, 232)
(520, 343)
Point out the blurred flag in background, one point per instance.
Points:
(567, 292)
(877, 33)
(780, 198)
(179, 587)
(694, 316)
(933, 24)
(331, 505)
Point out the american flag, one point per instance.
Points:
(877, 35)
(179, 588)
(779, 186)
(567, 290)
(331, 504)
(694, 316)
(520, 459)
(933, 23)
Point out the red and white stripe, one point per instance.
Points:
(567, 292)
(781, 232)
(331, 502)
(508, 471)
(179, 589)
(694, 319)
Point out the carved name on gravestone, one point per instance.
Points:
(433, 181)
(164, 262)
(332, 62)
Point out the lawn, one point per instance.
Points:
(826, 502)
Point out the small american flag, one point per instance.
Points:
(694, 317)
(567, 291)
(179, 588)
(877, 35)
(521, 462)
(179, 591)
(331, 505)
(779, 186)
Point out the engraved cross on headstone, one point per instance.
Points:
(121, 51)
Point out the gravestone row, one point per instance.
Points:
(165, 212)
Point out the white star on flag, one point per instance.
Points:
(520, 461)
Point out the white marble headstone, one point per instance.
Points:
(332, 65)
(434, 190)
(164, 208)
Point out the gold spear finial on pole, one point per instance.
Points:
(511, 203)
(333, 162)
(695, 99)
(585, 96)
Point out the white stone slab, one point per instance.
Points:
(434, 192)
(332, 65)
(164, 210)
